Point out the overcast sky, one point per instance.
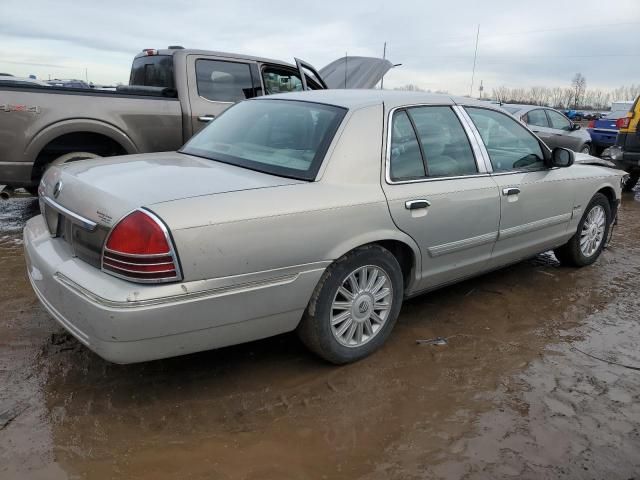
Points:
(522, 43)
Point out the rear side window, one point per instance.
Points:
(429, 142)
(538, 118)
(221, 81)
(152, 71)
(509, 144)
(406, 159)
(445, 145)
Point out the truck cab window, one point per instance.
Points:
(221, 81)
(152, 71)
(282, 80)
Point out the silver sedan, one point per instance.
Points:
(553, 128)
(314, 211)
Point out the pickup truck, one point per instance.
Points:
(172, 94)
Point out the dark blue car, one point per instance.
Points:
(604, 131)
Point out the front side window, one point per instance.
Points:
(558, 121)
(221, 81)
(280, 137)
(280, 81)
(509, 144)
(537, 118)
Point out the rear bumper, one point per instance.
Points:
(125, 322)
(603, 139)
(16, 174)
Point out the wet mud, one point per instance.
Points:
(538, 379)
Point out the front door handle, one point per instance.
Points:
(510, 191)
(416, 204)
(206, 118)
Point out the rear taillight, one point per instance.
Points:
(591, 124)
(623, 122)
(139, 249)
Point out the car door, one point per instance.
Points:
(536, 202)
(440, 193)
(538, 122)
(562, 131)
(216, 83)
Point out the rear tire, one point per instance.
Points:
(334, 312)
(72, 157)
(587, 243)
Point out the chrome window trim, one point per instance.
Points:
(72, 216)
(172, 252)
(475, 134)
(475, 148)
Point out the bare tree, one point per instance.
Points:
(579, 85)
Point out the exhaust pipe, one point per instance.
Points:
(6, 192)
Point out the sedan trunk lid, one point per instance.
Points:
(104, 190)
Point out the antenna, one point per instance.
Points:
(346, 68)
(384, 57)
(475, 56)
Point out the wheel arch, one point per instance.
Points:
(401, 246)
(62, 137)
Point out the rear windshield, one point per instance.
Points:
(152, 71)
(280, 137)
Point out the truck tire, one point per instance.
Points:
(587, 243)
(354, 306)
(72, 157)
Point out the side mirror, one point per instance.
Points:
(562, 157)
(575, 126)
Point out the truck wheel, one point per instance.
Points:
(585, 246)
(354, 307)
(631, 182)
(72, 157)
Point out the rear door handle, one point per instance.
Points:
(510, 191)
(206, 118)
(416, 204)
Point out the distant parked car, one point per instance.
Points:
(21, 81)
(69, 83)
(604, 131)
(554, 128)
(574, 115)
(316, 211)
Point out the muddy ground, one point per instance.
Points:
(534, 383)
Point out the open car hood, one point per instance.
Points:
(361, 72)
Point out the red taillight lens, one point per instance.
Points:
(623, 122)
(591, 124)
(138, 248)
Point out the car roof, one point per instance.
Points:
(213, 53)
(356, 99)
(525, 108)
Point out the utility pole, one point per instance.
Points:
(86, 75)
(346, 68)
(481, 89)
(475, 56)
(384, 57)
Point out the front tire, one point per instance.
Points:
(586, 148)
(585, 246)
(354, 307)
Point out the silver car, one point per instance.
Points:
(313, 211)
(553, 128)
